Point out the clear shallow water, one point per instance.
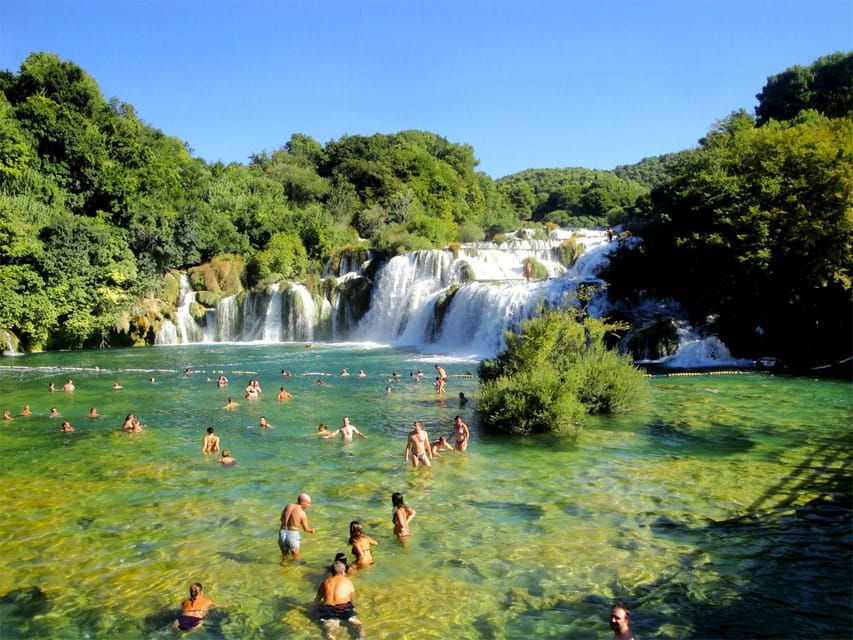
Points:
(724, 511)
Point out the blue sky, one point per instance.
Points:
(527, 83)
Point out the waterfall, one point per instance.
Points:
(168, 334)
(458, 302)
(7, 343)
(272, 319)
(482, 290)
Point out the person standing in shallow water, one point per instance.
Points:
(211, 442)
(361, 543)
(292, 517)
(418, 446)
(401, 516)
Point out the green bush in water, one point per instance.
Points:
(554, 372)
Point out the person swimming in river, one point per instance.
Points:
(194, 609)
(361, 543)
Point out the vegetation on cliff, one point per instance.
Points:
(97, 207)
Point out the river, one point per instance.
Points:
(724, 511)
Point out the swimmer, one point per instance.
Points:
(440, 445)
(226, 458)
(231, 404)
(361, 373)
(66, 426)
(93, 413)
(128, 422)
(460, 430)
(322, 430)
(619, 622)
(51, 387)
(347, 431)
(210, 442)
(284, 396)
(264, 424)
(344, 372)
(292, 517)
(194, 609)
(320, 383)
(417, 446)
(117, 386)
(401, 516)
(462, 399)
(7, 416)
(53, 413)
(26, 411)
(335, 594)
(361, 543)
(69, 385)
(285, 373)
(222, 381)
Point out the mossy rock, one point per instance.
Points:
(223, 275)
(170, 288)
(209, 299)
(197, 310)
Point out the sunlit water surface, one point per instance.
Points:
(724, 511)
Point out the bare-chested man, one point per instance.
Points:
(292, 517)
(336, 594)
(418, 446)
(347, 430)
(211, 442)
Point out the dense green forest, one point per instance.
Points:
(98, 207)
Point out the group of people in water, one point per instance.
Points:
(334, 595)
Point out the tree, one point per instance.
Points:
(825, 86)
(555, 371)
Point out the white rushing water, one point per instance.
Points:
(458, 304)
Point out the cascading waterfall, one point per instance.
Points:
(456, 303)
(483, 289)
(184, 329)
(272, 319)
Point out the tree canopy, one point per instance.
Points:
(753, 226)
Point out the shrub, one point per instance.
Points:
(553, 372)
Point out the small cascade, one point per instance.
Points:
(228, 320)
(272, 320)
(188, 329)
(300, 314)
(8, 343)
(695, 350)
(168, 334)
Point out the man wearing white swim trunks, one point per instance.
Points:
(292, 517)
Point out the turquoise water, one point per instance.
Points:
(723, 511)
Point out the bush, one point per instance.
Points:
(555, 371)
(530, 402)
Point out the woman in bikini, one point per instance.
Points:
(361, 543)
(402, 516)
(194, 609)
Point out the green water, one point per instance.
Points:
(722, 512)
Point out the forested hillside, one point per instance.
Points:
(98, 208)
(753, 231)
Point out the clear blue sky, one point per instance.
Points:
(527, 83)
